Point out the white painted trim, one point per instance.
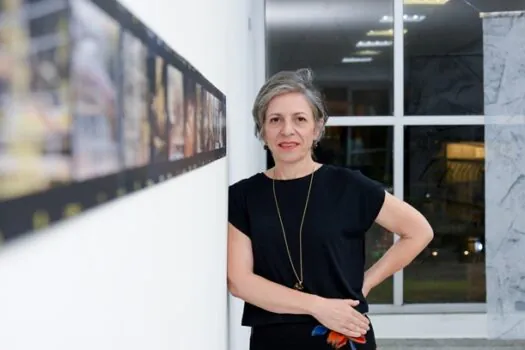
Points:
(450, 308)
(444, 120)
(430, 326)
(399, 60)
(399, 97)
(398, 179)
(408, 120)
(359, 121)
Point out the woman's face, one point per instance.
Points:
(289, 128)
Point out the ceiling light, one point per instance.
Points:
(367, 53)
(406, 18)
(383, 32)
(376, 43)
(425, 2)
(356, 59)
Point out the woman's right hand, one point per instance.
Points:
(340, 316)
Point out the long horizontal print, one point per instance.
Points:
(93, 105)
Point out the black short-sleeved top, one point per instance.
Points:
(343, 205)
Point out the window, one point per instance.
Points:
(348, 45)
(443, 56)
(444, 179)
(413, 121)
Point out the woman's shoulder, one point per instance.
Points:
(248, 183)
(344, 176)
(341, 172)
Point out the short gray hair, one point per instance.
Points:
(285, 82)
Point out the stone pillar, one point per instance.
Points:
(504, 90)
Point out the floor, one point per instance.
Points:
(449, 344)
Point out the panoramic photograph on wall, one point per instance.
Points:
(93, 106)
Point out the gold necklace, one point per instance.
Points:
(299, 284)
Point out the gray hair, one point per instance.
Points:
(285, 82)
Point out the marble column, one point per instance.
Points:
(504, 90)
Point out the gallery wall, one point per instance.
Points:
(143, 269)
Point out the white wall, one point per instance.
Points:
(246, 154)
(147, 271)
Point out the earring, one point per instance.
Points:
(265, 147)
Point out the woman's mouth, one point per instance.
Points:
(288, 145)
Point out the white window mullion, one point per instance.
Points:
(359, 121)
(405, 120)
(398, 127)
(444, 120)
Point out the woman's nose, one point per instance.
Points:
(287, 128)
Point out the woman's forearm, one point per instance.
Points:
(400, 254)
(273, 297)
(415, 234)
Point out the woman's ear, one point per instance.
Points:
(317, 132)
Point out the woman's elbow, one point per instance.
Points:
(235, 285)
(424, 233)
(428, 235)
(420, 231)
(232, 288)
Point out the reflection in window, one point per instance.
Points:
(445, 77)
(444, 179)
(368, 149)
(348, 45)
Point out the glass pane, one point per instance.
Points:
(348, 44)
(368, 149)
(444, 55)
(444, 179)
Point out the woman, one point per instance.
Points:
(296, 232)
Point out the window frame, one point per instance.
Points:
(398, 121)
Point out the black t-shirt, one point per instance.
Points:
(343, 205)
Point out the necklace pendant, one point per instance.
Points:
(298, 286)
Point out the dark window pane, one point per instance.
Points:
(444, 56)
(444, 179)
(368, 149)
(364, 148)
(348, 45)
(378, 241)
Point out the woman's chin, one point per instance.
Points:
(289, 157)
